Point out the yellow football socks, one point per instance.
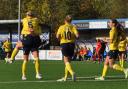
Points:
(69, 68)
(66, 73)
(104, 70)
(24, 67)
(117, 67)
(122, 63)
(37, 65)
(14, 53)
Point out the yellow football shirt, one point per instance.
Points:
(34, 22)
(122, 45)
(67, 33)
(7, 46)
(113, 35)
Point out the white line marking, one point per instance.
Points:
(85, 79)
(11, 82)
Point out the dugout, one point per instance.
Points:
(9, 29)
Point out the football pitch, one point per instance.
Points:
(86, 71)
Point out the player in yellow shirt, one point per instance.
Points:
(18, 46)
(67, 35)
(7, 48)
(35, 23)
(30, 41)
(122, 51)
(113, 53)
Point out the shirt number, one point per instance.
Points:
(67, 34)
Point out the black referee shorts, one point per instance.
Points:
(68, 49)
(30, 43)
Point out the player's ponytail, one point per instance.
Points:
(121, 32)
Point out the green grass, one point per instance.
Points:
(10, 76)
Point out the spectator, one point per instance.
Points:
(89, 54)
(83, 53)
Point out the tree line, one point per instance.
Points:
(52, 12)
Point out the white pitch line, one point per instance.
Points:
(69, 79)
(117, 76)
(54, 81)
(11, 82)
(108, 80)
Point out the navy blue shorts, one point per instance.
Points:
(113, 54)
(68, 49)
(30, 43)
(122, 52)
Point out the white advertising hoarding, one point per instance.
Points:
(54, 55)
(19, 56)
(43, 55)
(95, 25)
(126, 24)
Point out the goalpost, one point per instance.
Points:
(19, 18)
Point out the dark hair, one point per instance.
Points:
(115, 21)
(121, 32)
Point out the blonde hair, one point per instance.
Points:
(30, 13)
(68, 18)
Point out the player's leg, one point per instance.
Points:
(68, 51)
(109, 60)
(36, 43)
(6, 58)
(122, 59)
(105, 68)
(37, 64)
(65, 76)
(69, 67)
(112, 62)
(8, 54)
(67, 59)
(16, 50)
(66, 73)
(64, 49)
(24, 64)
(117, 66)
(26, 50)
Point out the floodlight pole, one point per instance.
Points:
(19, 19)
